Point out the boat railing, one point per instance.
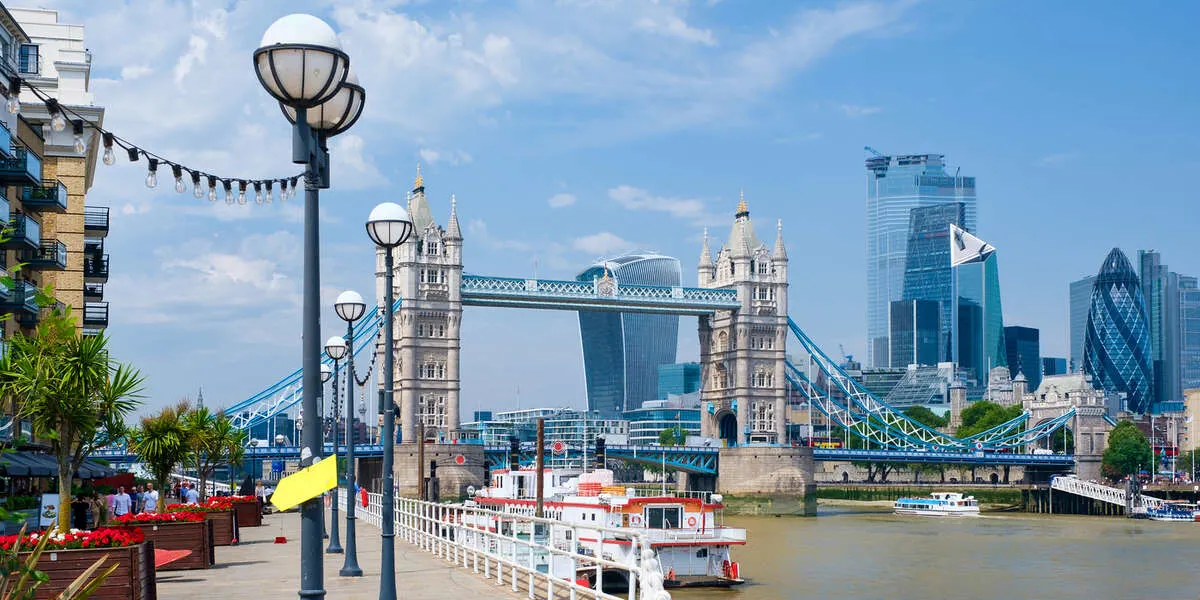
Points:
(715, 534)
(522, 548)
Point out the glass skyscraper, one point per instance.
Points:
(1022, 349)
(914, 331)
(1189, 330)
(1116, 347)
(678, 379)
(1053, 366)
(622, 351)
(927, 266)
(980, 318)
(895, 186)
(1081, 304)
(1160, 288)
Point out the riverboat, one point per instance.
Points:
(940, 504)
(692, 546)
(1173, 511)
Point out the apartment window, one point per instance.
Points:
(28, 62)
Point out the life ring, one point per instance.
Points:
(635, 520)
(691, 521)
(670, 574)
(725, 569)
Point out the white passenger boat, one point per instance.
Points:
(939, 504)
(1172, 511)
(693, 547)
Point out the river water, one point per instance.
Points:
(870, 554)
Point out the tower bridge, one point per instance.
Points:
(744, 329)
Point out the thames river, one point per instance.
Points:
(869, 554)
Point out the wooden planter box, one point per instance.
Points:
(134, 578)
(248, 514)
(224, 524)
(197, 537)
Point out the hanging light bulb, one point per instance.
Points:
(258, 197)
(57, 121)
(14, 97)
(212, 188)
(177, 171)
(80, 146)
(241, 192)
(109, 157)
(197, 191)
(270, 183)
(152, 174)
(228, 191)
(133, 154)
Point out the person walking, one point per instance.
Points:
(150, 499)
(193, 497)
(121, 502)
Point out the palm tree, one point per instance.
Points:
(72, 392)
(161, 443)
(213, 441)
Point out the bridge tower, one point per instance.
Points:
(1058, 394)
(742, 351)
(428, 280)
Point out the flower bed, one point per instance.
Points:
(248, 512)
(223, 519)
(194, 508)
(172, 517)
(66, 557)
(192, 532)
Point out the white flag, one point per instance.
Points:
(966, 248)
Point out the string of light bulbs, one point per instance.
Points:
(80, 125)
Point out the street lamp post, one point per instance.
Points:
(300, 62)
(350, 308)
(388, 226)
(335, 347)
(326, 374)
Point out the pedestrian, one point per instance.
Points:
(136, 500)
(193, 497)
(121, 502)
(150, 499)
(99, 508)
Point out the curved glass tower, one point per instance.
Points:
(622, 351)
(1116, 344)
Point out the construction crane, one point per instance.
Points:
(873, 151)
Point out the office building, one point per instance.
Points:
(1052, 366)
(980, 334)
(1160, 288)
(1189, 334)
(1080, 305)
(680, 413)
(622, 351)
(1116, 348)
(59, 239)
(678, 379)
(895, 186)
(575, 428)
(1023, 352)
(927, 274)
(914, 332)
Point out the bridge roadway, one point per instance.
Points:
(698, 460)
(258, 569)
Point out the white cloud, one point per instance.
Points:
(675, 27)
(561, 200)
(637, 199)
(1055, 159)
(478, 232)
(601, 243)
(354, 168)
(853, 111)
(431, 156)
(135, 71)
(139, 208)
(196, 53)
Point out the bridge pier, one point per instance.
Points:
(781, 475)
(453, 478)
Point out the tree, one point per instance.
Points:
(161, 442)
(925, 417)
(672, 436)
(1186, 463)
(212, 441)
(983, 415)
(75, 396)
(1127, 453)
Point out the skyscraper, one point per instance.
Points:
(622, 351)
(927, 267)
(1189, 333)
(914, 331)
(1081, 304)
(895, 186)
(1160, 288)
(1022, 349)
(1053, 366)
(1116, 347)
(980, 318)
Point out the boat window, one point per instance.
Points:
(702, 553)
(663, 517)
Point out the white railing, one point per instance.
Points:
(1103, 493)
(523, 550)
(213, 486)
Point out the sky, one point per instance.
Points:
(573, 129)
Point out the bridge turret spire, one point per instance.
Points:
(453, 231)
(779, 253)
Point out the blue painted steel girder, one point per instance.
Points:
(478, 290)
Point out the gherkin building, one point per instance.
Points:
(1116, 345)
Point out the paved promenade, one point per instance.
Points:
(258, 569)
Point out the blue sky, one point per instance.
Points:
(577, 128)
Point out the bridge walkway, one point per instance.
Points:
(1103, 493)
(258, 569)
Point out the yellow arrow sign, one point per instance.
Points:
(305, 484)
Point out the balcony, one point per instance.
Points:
(26, 233)
(22, 300)
(95, 269)
(5, 141)
(95, 315)
(48, 197)
(21, 167)
(95, 221)
(93, 292)
(51, 254)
